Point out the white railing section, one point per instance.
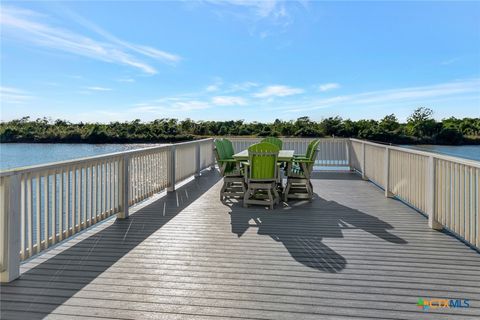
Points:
(42, 205)
(206, 155)
(333, 152)
(457, 193)
(356, 153)
(445, 188)
(375, 164)
(409, 177)
(148, 173)
(184, 166)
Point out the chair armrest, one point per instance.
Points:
(304, 161)
(244, 163)
(228, 160)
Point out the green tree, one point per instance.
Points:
(420, 123)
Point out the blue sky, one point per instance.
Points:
(239, 59)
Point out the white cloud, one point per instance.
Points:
(243, 86)
(450, 61)
(278, 91)
(28, 26)
(126, 80)
(190, 105)
(13, 95)
(215, 86)
(145, 50)
(262, 17)
(171, 106)
(95, 88)
(228, 101)
(211, 88)
(328, 86)
(262, 9)
(407, 95)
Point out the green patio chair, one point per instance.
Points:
(233, 177)
(228, 147)
(299, 185)
(275, 141)
(261, 175)
(310, 148)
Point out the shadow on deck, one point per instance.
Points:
(45, 287)
(350, 253)
(302, 227)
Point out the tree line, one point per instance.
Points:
(420, 127)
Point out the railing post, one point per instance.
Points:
(10, 211)
(197, 159)
(431, 207)
(171, 169)
(124, 182)
(388, 194)
(212, 165)
(349, 154)
(364, 176)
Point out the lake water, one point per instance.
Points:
(14, 155)
(468, 152)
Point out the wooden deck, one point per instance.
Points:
(351, 253)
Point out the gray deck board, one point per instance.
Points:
(350, 254)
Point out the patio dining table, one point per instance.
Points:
(283, 155)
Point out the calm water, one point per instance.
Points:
(468, 152)
(14, 155)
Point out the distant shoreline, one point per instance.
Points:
(466, 142)
(420, 128)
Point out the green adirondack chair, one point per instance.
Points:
(261, 175)
(299, 185)
(228, 148)
(233, 177)
(274, 141)
(310, 147)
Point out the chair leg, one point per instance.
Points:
(222, 191)
(246, 196)
(270, 197)
(309, 191)
(277, 196)
(286, 190)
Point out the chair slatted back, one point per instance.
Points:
(275, 141)
(263, 161)
(313, 155)
(312, 146)
(228, 145)
(219, 150)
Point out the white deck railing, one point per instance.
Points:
(42, 205)
(445, 188)
(333, 152)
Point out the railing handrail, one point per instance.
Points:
(436, 155)
(293, 138)
(443, 187)
(52, 165)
